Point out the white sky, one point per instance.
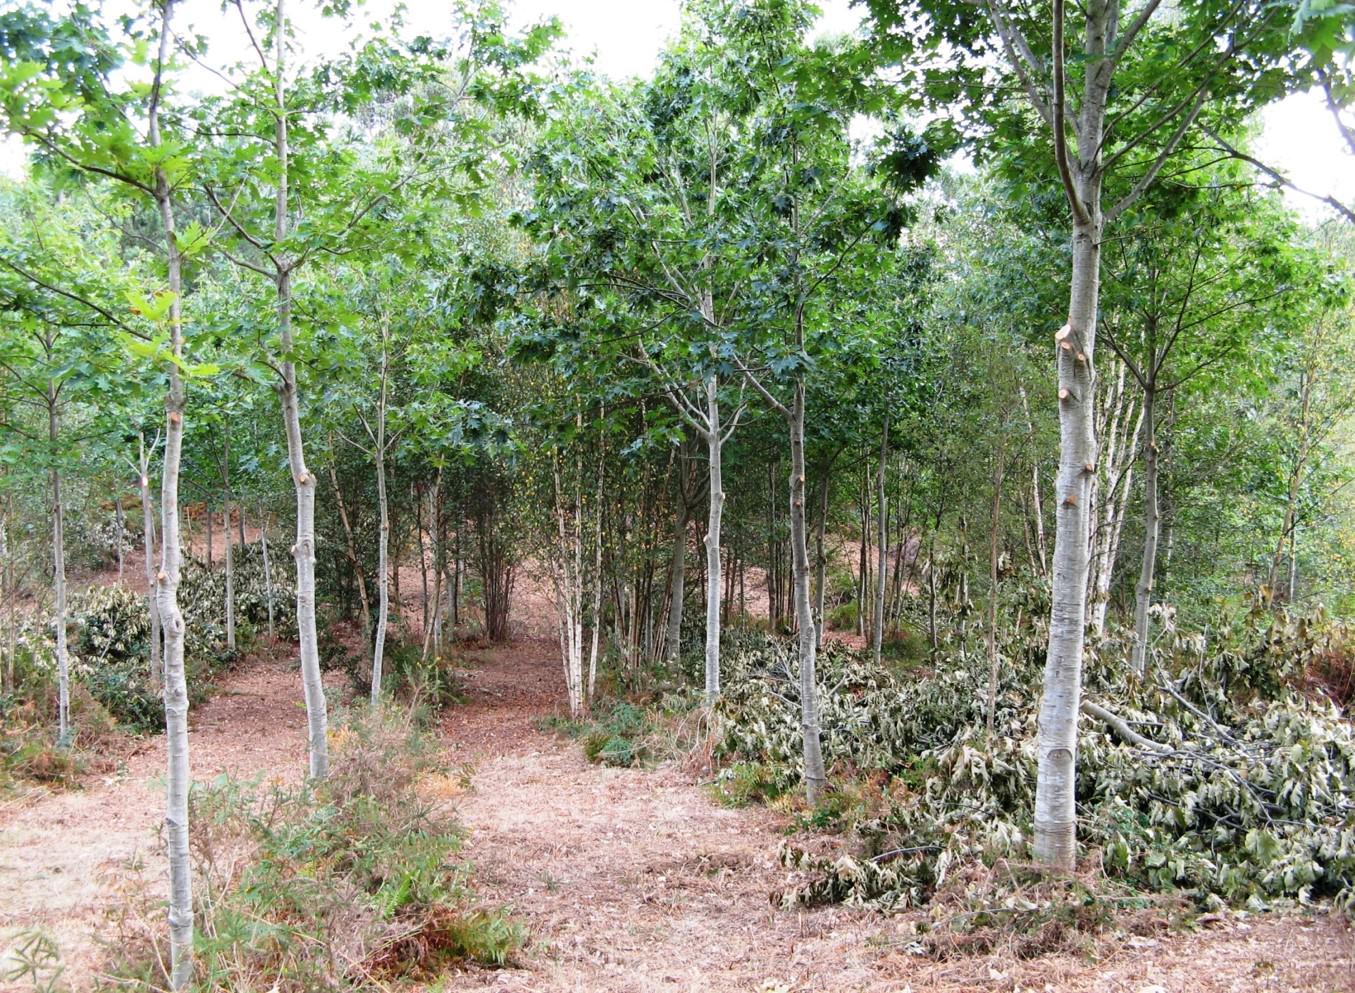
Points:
(625, 36)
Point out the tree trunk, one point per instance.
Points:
(211, 541)
(821, 559)
(1143, 592)
(226, 535)
(317, 718)
(714, 445)
(595, 633)
(351, 549)
(677, 578)
(63, 678)
(994, 550)
(383, 539)
(267, 576)
(426, 629)
(1055, 813)
(121, 523)
(816, 779)
(1295, 483)
(882, 552)
(178, 776)
(148, 536)
(863, 583)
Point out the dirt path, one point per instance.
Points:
(629, 881)
(634, 881)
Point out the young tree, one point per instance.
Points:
(1137, 85)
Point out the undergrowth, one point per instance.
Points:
(353, 883)
(637, 732)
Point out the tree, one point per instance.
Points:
(1145, 82)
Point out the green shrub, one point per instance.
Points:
(342, 885)
(625, 735)
(745, 783)
(842, 617)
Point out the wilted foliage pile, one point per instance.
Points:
(341, 885)
(1238, 790)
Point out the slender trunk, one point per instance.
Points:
(350, 548)
(567, 576)
(1296, 475)
(148, 542)
(240, 520)
(383, 539)
(267, 576)
(178, 776)
(821, 559)
(427, 627)
(882, 552)
(1293, 564)
(1143, 592)
(677, 579)
(715, 445)
(211, 539)
(63, 679)
(226, 534)
(120, 521)
(439, 568)
(994, 550)
(1055, 813)
(1036, 487)
(596, 631)
(863, 583)
(7, 588)
(317, 718)
(816, 779)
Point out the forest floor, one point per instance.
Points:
(628, 880)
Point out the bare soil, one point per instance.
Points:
(629, 881)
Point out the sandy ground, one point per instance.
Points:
(629, 881)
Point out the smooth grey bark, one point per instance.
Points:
(677, 571)
(178, 777)
(994, 552)
(714, 448)
(1303, 428)
(267, 575)
(882, 549)
(821, 559)
(1118, 429)
(816, 778)
(226, 535)
(121, 523)
(863, 557)
(378, 438)
(63, 666)
(350, 548)
(1055, 813)
(595, 633)
(148, 532)
(317, 719)
(1081, 172)
(1143, 590)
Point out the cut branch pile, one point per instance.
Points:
(1220, 780)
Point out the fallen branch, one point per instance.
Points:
(1122, 728)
